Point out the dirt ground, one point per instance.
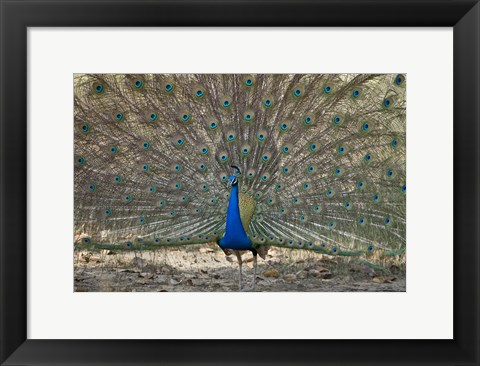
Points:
(206, 268)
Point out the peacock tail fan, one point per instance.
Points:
(322, 160)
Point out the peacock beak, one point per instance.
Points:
(229, 184)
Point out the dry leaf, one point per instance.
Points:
(290, 277)
(272, 272)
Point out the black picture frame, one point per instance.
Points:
(18, 15)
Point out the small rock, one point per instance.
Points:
(174, 282)
(147, 276)
(290, 277)
(206, 250)
(272, 272)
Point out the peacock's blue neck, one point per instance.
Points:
(235, 236)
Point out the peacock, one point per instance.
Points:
(302, 161)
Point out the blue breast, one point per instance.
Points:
(235, 236)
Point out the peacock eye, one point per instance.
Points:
(297, 92)
(119, 116)
(307, 120)
(199, 93)
(213, 125)
(85, 127)
(226, 103)
(168, 87)
(365, 126)
(327, 89)
(99, 88)
(356, 93)
(153, 117)
(186, 117)
(138, 84)
(267, 103)
(248, 82)
(386, 103)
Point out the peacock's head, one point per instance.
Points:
(233, 180)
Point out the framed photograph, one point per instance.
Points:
(203, 182)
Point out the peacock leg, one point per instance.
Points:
(254, 270)
(239, 258)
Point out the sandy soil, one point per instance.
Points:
(206, 268)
